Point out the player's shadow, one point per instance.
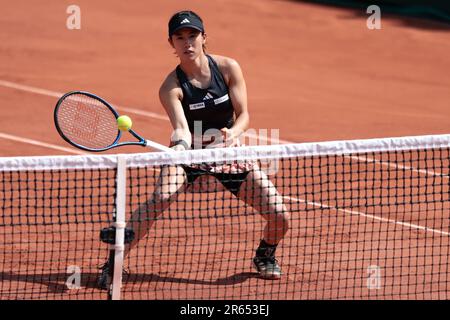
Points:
(230, 280)
(56, 282)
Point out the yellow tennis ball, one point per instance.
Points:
(124, 123)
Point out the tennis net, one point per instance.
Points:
(365, 219)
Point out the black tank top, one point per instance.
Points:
(212, 106)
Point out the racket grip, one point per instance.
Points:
(158, 146)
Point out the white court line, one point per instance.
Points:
(399, 166)
(38, 143)
(25, 88)
(50, 93)
(369, 216)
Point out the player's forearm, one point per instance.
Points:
(241, 124)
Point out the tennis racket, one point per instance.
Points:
(88, 122)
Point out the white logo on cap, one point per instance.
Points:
(185, 21)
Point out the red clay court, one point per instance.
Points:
(316, 73)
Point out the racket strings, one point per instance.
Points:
(87, 121)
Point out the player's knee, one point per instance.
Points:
(280, 218)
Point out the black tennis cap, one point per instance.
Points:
(185, 19)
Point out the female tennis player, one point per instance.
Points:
(206, 93)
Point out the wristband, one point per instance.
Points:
(182, 142)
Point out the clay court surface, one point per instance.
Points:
(316, 73)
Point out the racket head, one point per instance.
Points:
(86, 121)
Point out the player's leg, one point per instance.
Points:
(171, 182)
(260, 193)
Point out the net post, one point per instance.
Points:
(120, 225)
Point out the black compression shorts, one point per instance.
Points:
(231, 181)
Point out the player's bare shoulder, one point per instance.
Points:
(228, 66)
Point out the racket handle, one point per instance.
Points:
(157, 146)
